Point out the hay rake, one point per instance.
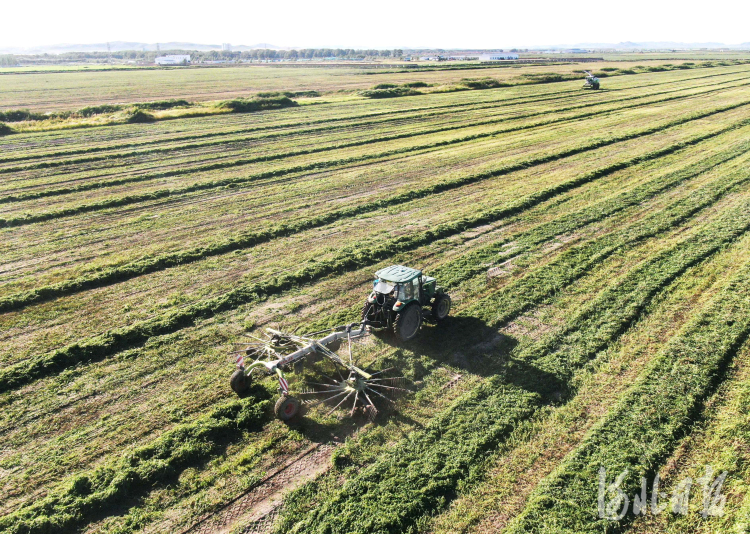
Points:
(278, 352)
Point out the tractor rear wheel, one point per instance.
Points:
(441, 307)
(239, 381)
(407, 322)
(286, 407)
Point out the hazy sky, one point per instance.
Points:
(373, 24)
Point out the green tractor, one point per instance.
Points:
(398, 301)
(592, 82)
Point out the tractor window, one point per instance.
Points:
(406, 291)
(415, 283)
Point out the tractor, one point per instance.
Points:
(397, 303)
(592, 82)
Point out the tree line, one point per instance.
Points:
(210, 55)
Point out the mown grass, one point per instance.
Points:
(122, 201)
(500, 307)
(449, 108)
(423, 474)
(657, 229)
(141, 469)
(661, 405)
(418, 132)
(118, 274)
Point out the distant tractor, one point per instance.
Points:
(401, 299)
(398, 301)
(592, 82)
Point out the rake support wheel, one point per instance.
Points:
(239, 382)
(286, 407)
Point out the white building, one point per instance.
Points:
(172, 60)
(497, 57)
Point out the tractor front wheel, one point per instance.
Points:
(441, 307)
(407, 322)
(286, 407)
(239, 382)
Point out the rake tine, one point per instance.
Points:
(389, 381)
(354, 406)
(349, 337)
(387, 387)
(324, 385)
(386, 398)
(315, 392)
(380, 372)
(369, 399)
(329, 378)
(326, 399)
(340, 403)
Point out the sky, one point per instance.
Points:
(374, 24)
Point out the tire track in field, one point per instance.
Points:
(327, 148)
(138, 268)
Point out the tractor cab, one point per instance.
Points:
(592, 82)
(397, 300)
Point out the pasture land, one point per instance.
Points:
(613, 332)
(72, 90)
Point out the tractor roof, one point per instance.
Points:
(398, 273)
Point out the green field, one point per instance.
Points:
(41, 91)
(612, 333)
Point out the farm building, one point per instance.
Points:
(497, 57)
(172, 60)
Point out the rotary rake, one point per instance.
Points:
(347, 385)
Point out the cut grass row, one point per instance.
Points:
(451, 110)
(493, 102)
(532, 288)
(162, 226)
(271, 157)
(374, 118)
(661, 405)
(534, 450)
(423, 473)
(214, 184)
(722, 425)
(93, 312)
(127, 478)
(186, 168)
(133, 269)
